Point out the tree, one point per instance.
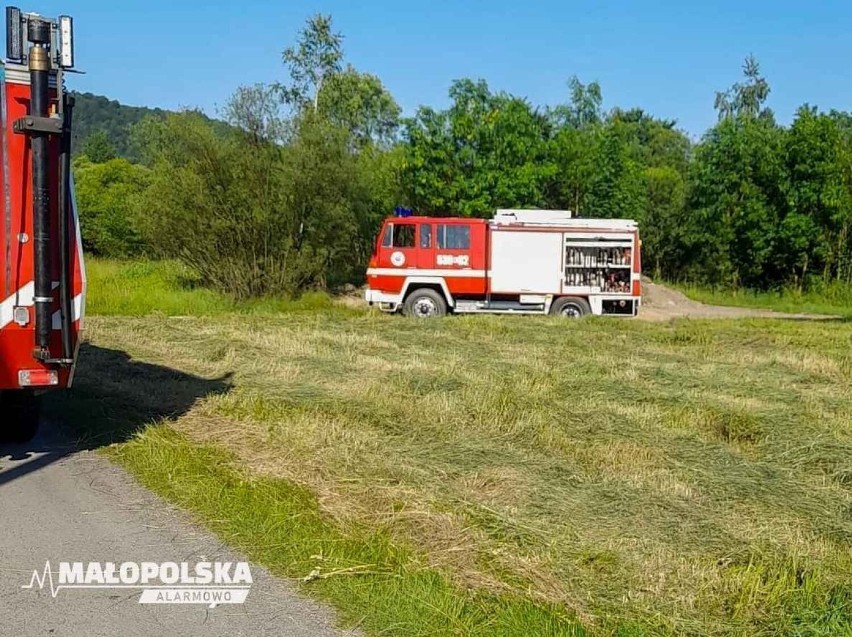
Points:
(314, 59)
(108, 195)
(745, 100)
(816, 235)
(256, 110)
(738, 199)
(361, 104)
(573, 147)
(287, 197)
(655, 142)
(655, 160)
(98, 148)
(585, 107)
(615, 188)
(486, 151)
(327, 198)
(356, 101)
(382, 178)
(663, 222)
(573, 152)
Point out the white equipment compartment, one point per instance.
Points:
(526, 262)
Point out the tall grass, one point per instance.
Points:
(138, 288)
(690, 478)
(833, 300)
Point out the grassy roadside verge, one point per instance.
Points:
(375, 583)
(835, 301)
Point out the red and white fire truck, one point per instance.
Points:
(41, 261)
(521, 261)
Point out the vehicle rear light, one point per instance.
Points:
(38, 378)
(637, 288)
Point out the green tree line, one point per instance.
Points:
(288, 193)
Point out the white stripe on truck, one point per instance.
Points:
(21, 298)
(421, 272)
(24, 298)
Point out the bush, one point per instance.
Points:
(107, 198)
(254, 216)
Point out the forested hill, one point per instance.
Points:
(96, 112)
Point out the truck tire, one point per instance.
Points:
(22, 413)
(570, 307)
(425, 303)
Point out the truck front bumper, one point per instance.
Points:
(385, 302)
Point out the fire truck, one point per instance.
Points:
(520, 261)
(41, 261)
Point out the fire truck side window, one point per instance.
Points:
(454, 237)
(387, 240)
(403, 235)
(425, 235)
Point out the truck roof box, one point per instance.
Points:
(561, 218)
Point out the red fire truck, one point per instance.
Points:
(41, 261)
(521, 261)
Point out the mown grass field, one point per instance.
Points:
(501, 475)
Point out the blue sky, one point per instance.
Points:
(666, 56)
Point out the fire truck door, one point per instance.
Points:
(398, 246)
(426, 246)
(459, 252)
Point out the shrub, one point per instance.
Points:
(253, 216)
(107, 197)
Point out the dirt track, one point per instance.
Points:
(661, 303)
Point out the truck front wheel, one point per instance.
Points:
(425, 303)
(21, 411)
(570, 307)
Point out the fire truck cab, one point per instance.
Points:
(520, 261)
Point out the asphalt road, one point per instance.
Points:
(60, 505)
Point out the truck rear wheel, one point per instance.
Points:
(425, 303)
(21, 414)
(570, 307)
